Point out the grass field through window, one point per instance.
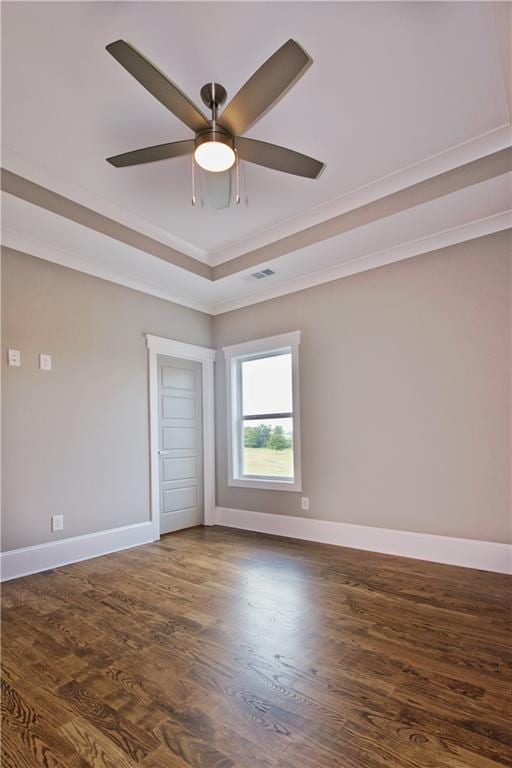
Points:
(265, 461)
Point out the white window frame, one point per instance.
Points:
(235, 355)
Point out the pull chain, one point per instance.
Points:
(237, 171)
(193, 181)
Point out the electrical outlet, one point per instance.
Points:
(45, 362)
(14, 357)
(304, 503)
(57, 523)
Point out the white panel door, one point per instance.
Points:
(180, 443)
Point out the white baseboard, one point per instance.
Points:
(469, 553)
(42, 557)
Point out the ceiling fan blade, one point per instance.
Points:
(158, 85)
(218, 186)
(152, 154)
(271, 81)
(278, 158)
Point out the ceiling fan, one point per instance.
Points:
(218, 140)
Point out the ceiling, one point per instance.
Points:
(397, 92)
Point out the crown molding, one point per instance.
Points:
(51, 201)
(444, 239)
(17, 241)
(474, 149)
(461, 154)
(34, 247)
(39, 174)
(432, 188)
(424, 191)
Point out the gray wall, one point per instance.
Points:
(405, 382)
(405, 392)
(75, 441)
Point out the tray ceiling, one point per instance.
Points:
(392, 84)
(398, 93)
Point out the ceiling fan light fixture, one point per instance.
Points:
(218, 146)
(214, 152)
(214, 156)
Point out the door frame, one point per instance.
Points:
(158, 345)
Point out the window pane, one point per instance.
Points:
(267, 448)
(267, 385)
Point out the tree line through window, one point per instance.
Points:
(266, 436)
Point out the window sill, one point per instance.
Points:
(266, 485)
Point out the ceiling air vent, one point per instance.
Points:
(264, 273)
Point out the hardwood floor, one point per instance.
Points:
(216, 648)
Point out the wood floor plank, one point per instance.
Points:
(33, 733)
(133, 741)
(92, 746)
(217, 648)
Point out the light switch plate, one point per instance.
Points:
(14, 357)
(57, 523)
(45, 362)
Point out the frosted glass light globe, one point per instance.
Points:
(214, 156)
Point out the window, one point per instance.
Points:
(263, 413)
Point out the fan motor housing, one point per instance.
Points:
(217, 133)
